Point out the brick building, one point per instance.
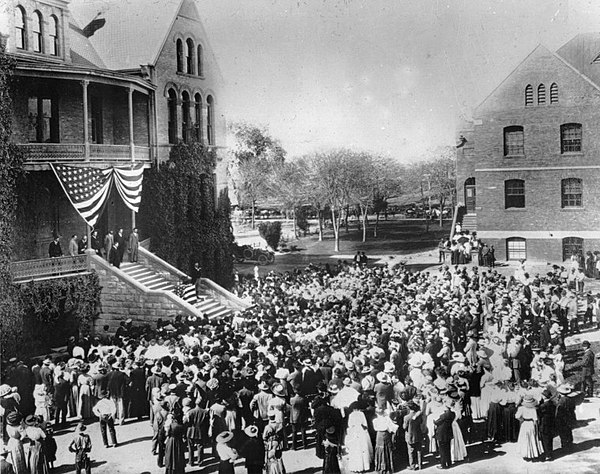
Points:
(528, 174)
(102, 83)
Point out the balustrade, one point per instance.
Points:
(26, 270)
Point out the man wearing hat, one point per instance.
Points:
(62, 391)
(565, 415)
(105, 410)
(547, 428)
(253, 450)
(197, 423)
(116, 383)
(587, 370)
(81, 445)
(260, 405)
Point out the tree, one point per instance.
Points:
(289, 184)
(254, 155)
(387, 184)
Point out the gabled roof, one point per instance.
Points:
(583, 53)
(82, 51)
(134, 32)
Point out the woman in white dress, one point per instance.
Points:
(458, 449)
(358, 442)
(487, 384)
(528, 445)
(559, 365)
(434, 409)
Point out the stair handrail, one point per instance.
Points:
(166, 265)
(454, 222)
(225, 297)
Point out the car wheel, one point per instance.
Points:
(263, 259)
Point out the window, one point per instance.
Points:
(189, 59)
(554, 93)
(198, 118)
(514, 193)
(200, 61)
(38, 34)
(43, 120)
(528, 95)
(570, 138)
(54, 45)
(514, 141)
(516, 248)
(185, 117)
(210, 117)
(179, 55)
(21, 28)
(571, 192)
(541, 94)
(172, 106)
(97, 121)
(572, 246)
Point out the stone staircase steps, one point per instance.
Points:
(469, 222)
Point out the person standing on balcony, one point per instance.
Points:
(114, 255)
(96, 244)
(82, 245)
(54, 249)
(120, 239)
(73, 246)
(109, 240)
(134, 243)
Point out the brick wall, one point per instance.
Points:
(121, 300)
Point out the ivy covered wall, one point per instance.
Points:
(179, 214)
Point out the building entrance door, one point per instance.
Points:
(470, 200)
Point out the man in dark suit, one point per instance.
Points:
(62, 390)
(444, 436)
(309, 379)
(117, 383)
(46, 375)
(587, 370)
(120, 239)
(54, 249)
(196, 421)
(413, 435)
(115, 256)
(298, 417)
(546, 415)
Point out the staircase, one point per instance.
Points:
(469, 222)
(155, 280)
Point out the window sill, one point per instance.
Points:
(572, 209)
(572, 153)
(514, 156)
(185, 74)
(516, 209)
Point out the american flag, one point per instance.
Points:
(88, 188)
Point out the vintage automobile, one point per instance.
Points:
(242, 253)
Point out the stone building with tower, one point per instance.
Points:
(528, 174)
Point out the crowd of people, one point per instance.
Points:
(375, 368)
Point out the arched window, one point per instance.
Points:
(38, 33)
(189, 59)
(572, 246)
(200, 61)
(570, 138)
(179, 55)
(21, 28)
(571, 192)
(541, 94)
(516, 248)
(210, 118)
(198, 118)
(54, 38)
(514, 141)
(554, 93)
(514, 193)
(528, 95)
(172, 114)
(185, 117)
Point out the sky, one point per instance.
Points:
(389, 76)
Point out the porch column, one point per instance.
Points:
(130, 109)
(86, 138)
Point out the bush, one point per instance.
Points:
(301, 219)
(271, 232)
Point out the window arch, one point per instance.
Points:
(54, 39)
(210, 118)
(198, 117)
(554, 93)
(514, 193)
(189, 58)
(528, 95)
(179, 49)
(514, 141)
(21, 27)
(541, 96)
(570, 138)
(172, 115)
(38, 32)
(516, 248)
(571, 192)
(185, 117)
(200, 58)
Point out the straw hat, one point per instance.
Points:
(564, 389)
(225, 437)
(383, 377)
(529, 401)
(278, 390)
(389, 368)
(458, 357)
(251, 431)
(5, 390)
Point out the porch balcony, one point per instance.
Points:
(70, 153)
(44, 268)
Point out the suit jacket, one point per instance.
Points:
(587, 363)
(109, 240)
(443, 427)
(117, 381)
(62, 390)
(298, 409)
(197, 423)
(153, 381)
(134, 240)
(46, 376)
(308, 381)
(413, 432)
(546, 417)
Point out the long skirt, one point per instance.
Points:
(74, 401)
(529, 445)
(175, 455)
(476, 408)
(458, 449)
(36, 459)
(275, 466)
(484, 403)
(17, 456)
(510, 425)
(359, 448)
(494, 420)
(431, 435)
(85, 402)
(384, 458)
(330, 463)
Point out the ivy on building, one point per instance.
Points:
(179, 214)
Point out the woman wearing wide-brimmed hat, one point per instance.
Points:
(227, 455)
(273, 438)
(528, 445)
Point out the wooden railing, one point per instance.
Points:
(41, 153)
(26, 270)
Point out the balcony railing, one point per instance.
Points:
(26, 270)
(41, 153)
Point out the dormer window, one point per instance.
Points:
(20, 28)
